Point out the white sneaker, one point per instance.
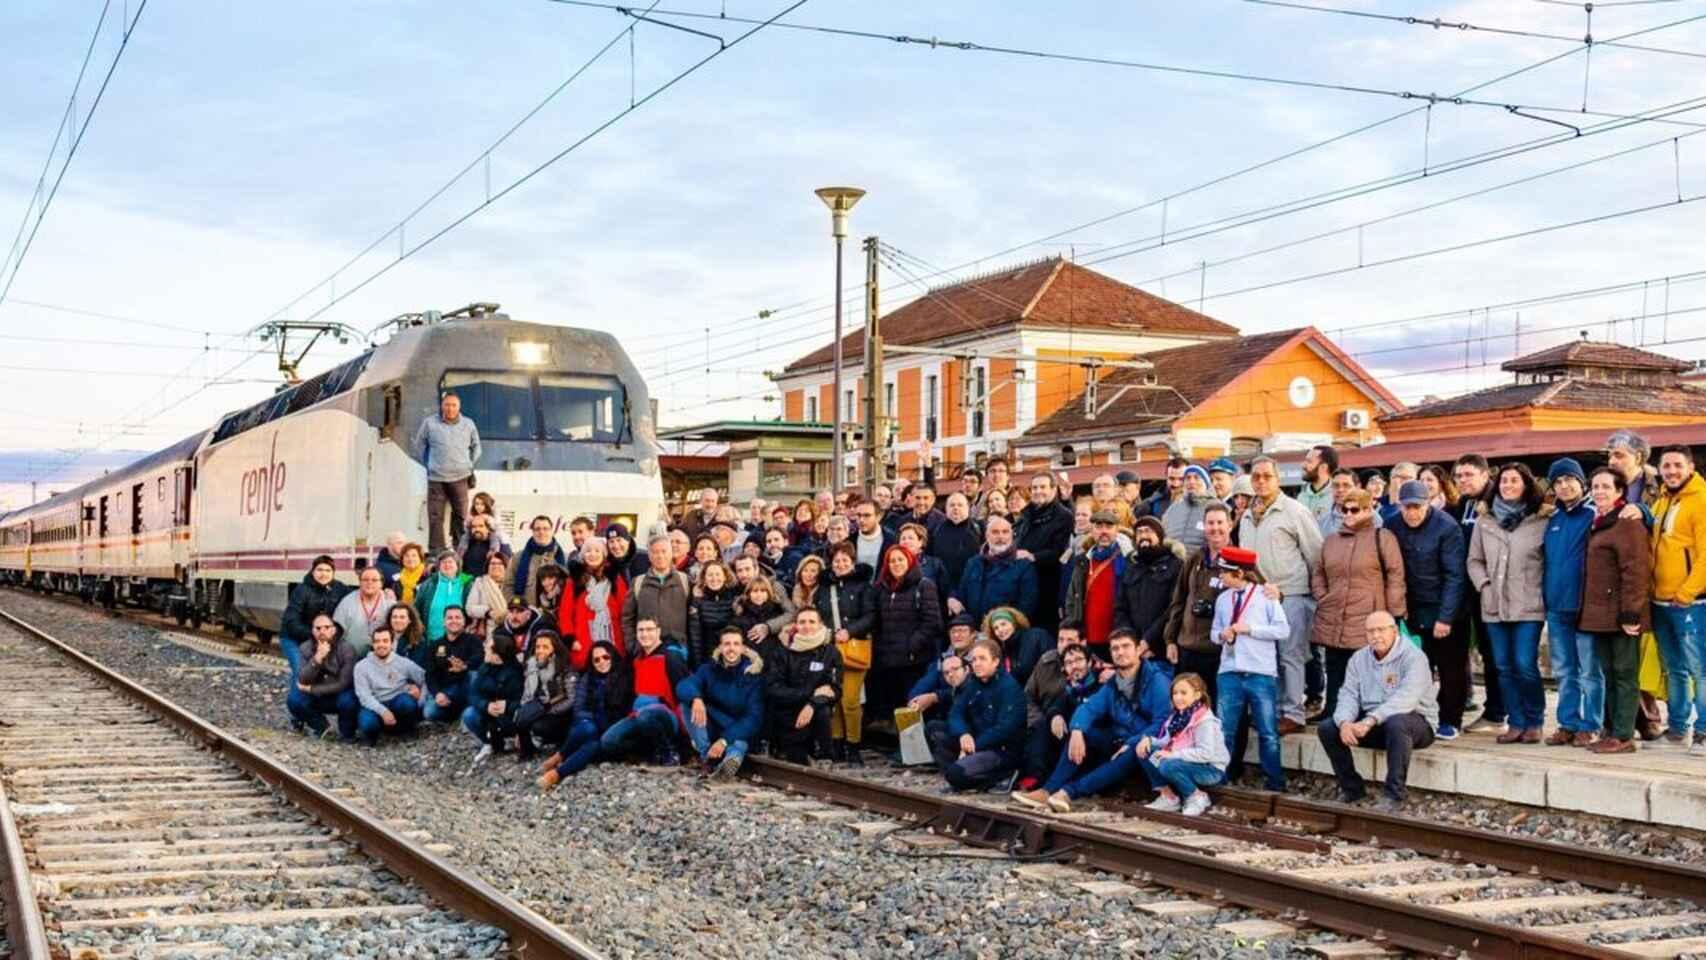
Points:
(1196, 803)
(1166, 803)
(484, 754)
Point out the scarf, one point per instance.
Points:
(598, 601)
(1178, 720)
(524, 562)
(1509, 513)
(1609, 517)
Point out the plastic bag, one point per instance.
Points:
(914, 748)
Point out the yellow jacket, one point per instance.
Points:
(1679, 540)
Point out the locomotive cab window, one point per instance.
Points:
(581, 407)
(501, 404)
(586, 408)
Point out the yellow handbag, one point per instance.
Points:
(855, 651)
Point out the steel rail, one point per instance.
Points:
(26, 931)
(1381, 919)
(531, 935)
(1594, 868)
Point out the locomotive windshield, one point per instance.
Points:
(586, 408)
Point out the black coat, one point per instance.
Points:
(854, 596)
(954, 544)
(307, 601)
(909, 622)
(1045, 530)
(435, 660)
(1145, 591)
(791, 676)
(707, 614)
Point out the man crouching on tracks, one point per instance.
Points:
(389, 690)
(1387, 703)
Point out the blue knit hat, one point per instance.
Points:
(1223, 465)
(1566, 467)
(1201, 474)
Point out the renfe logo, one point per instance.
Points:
(263, 489)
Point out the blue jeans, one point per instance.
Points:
(457, 693)
(1681, 632)
(581, 747)
(312, 710)
(292, 651)
(703, 737)
(1098, 744)
(1516, 653)
(653, 727)
(1258, 693)
(1581, 685)
(402, 706)
(1117, 770)
(1182, 775)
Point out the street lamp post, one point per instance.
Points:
(839, 200)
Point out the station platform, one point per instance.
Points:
(1658, 783)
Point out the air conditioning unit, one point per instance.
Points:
(1353, 420)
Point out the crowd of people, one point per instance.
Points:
(1052, 645)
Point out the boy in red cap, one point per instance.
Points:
(1248, 627)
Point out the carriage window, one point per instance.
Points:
(500, 404)
(581, 407)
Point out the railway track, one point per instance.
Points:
(206, 638)
(1385, 882)
(131, 828)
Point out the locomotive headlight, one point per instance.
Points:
(530, 353)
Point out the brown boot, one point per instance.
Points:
(1584, 738)
(1511, 735)
(1288, 726)
(1559, 738)
(552, 764)
(1613, 745)
(549, 780)
(1531, 735)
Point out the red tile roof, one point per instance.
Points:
(1567, 394)
(1050, 293)
(1592, 353)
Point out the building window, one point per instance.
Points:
(1128, 451)
(848, 413)
(1068, 456)
(811, 409)
(1245, 447)
(978, 404)
(888, 399)
(931, 398)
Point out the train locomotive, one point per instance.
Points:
(217, 527)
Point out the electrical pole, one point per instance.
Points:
(876, 426)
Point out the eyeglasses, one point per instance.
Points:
(600, 659)
(1351, 511)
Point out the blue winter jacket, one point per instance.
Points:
(992, 711)
(1565, 549)
(990, 582)
(1130, 720)
(1434, 564)
(734, 696)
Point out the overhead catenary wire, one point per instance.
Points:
(14, 262)
(403, 255)
(1464, 26)
(1357, 190)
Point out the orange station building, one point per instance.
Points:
(1277, 392)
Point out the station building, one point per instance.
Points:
(1050, 308)
(1274, 393)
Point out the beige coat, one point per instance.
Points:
(1358, 571)
(1506, 566)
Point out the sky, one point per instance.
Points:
(242, 156)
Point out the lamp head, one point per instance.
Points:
(839, 200)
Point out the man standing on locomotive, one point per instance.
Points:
(449, 445)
